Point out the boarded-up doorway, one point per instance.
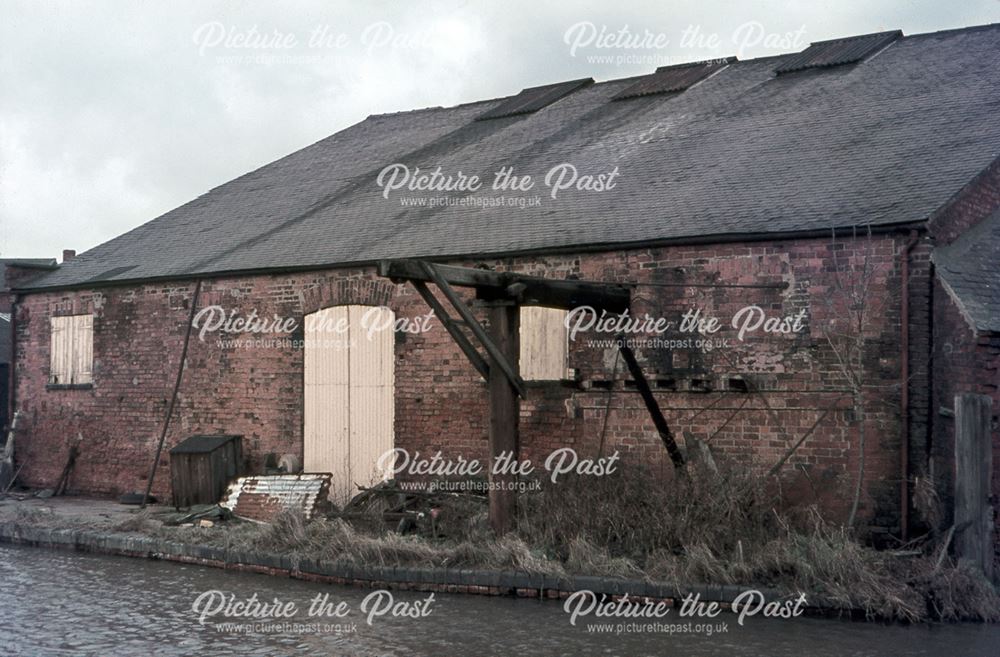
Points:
(349, 395)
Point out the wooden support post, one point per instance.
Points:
(504, 414)
(654, 408)
(497, 358)
(973, 472)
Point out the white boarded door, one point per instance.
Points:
(349, 395)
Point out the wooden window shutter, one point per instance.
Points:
(83, 348)
(72, 349)
(59, 351)
(544, 344)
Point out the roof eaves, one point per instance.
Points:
(571, 248)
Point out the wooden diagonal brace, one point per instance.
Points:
(456, 334)
(494, 352)
(654, 409)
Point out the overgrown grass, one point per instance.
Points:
(729, 527)
(726, 527)
(337, 541)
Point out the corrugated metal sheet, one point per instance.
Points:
(672, 79)
(544, 344)
(263, 497)
(349, 396)
(838, 51)
(533, 99)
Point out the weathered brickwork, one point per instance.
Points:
(750, 400)
(964, 362)
(974, 202)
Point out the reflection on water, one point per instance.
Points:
(65, 603)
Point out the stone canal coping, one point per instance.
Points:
(404, 578)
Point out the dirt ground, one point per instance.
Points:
(95, 513)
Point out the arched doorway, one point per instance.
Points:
(349, 395)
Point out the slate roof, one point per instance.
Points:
(970, 268)
(28, 262)
(745, 151)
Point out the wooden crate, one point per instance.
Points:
(202, 466)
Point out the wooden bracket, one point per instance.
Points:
(642, 385)
(496, 355)
(456, 334)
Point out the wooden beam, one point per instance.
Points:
(504, 415)
(526, 290)
(456, 334)
(497, 357)
(654, 409)
(413, 270)
(530, 291)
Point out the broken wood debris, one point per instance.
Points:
(210, 512)
(388, 506)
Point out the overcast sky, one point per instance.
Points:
(112, 113)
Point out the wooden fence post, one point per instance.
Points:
(973, 472)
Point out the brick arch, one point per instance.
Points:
(361, 292)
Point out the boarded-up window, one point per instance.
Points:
(72, 353)
(544, 344)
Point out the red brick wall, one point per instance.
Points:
(964, 362)
(440, 401)
(974, 202)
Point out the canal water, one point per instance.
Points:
(67, 603)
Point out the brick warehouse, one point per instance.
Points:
(859, 178)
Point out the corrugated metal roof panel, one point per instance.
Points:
(263, 497)
(668, 79)
(534, 99)
(838, 51)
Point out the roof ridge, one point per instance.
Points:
(432, 108)
(732, 60)
(967, 28)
